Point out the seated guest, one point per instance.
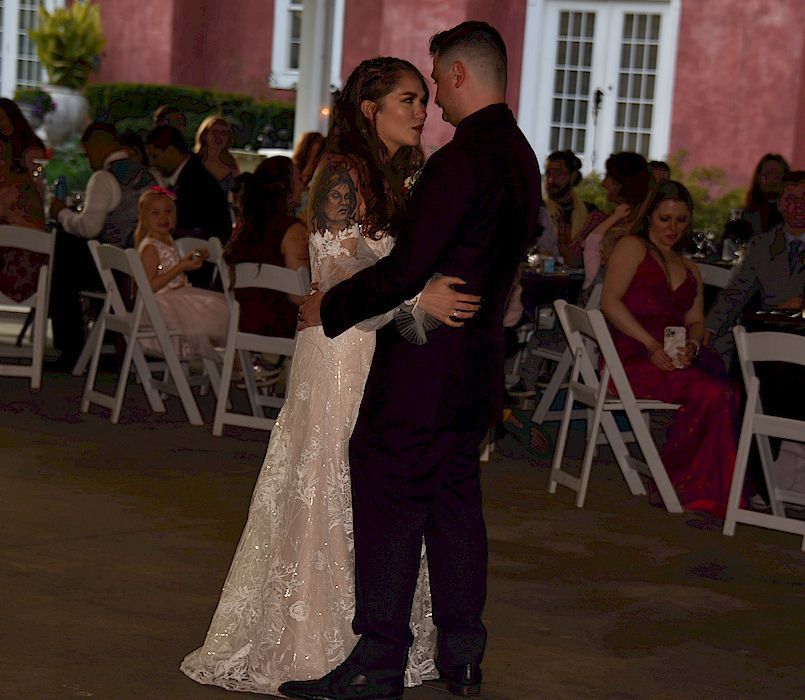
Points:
(26, 146)
(660, 170)
(202, 209)
(647, 288)
(627, 184)
(134, 144)
(167, 115)
(572, 218)
(773, 266)
(214, 138)
(269, 233)
(306, 157)
(109, 215)
(201, 315)
(761, 213)
(20, 205)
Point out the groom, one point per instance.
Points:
(414, 452)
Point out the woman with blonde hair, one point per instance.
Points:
(214, 138)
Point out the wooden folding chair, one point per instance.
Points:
(253, 275)
(19, 359)
(589, 386)
(544, 410)
(132, 326)
(752, 348)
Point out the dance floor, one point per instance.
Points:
(115, 541)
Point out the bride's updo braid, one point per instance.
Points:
(355, 136)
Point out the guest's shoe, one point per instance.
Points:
(462, 680)
(347, 683)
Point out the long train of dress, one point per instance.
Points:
(286, 607)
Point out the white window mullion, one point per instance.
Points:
(285, 51)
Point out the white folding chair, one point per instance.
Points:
(752, 348)
(590, 387)
(261, 276)
(26, 360)
(544, 410)
(131, 324)
(714, 276)
(183, 246)
(216, 255)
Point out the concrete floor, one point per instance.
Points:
(116, 540)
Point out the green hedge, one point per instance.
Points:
(130, 106)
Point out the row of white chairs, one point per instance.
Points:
(589, 339)
(144, 321)
(167, 374)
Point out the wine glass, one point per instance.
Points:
(710, 237)
(700, 240)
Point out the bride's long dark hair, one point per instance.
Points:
(354, 136)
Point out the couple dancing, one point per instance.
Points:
(378, 441)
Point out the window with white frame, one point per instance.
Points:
(287, 42)
(19, 66)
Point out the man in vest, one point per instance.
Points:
(109, 215)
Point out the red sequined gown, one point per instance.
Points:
(699, 451)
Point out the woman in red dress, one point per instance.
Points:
(649, 287)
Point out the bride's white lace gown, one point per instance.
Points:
(286, 608)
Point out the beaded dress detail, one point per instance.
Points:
(286, 608)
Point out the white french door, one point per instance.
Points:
(19, 66)
(598, 77)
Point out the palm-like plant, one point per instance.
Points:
(68, 41)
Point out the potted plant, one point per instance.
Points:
(68, 41)
(34, 103)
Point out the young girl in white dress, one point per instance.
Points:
(287, 604)
(201, 315)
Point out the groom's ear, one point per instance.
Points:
(369, 109)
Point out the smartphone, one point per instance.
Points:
(674, 339)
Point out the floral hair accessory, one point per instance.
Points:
(170, 194)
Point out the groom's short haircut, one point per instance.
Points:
(478, 42)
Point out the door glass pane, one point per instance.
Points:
(571, 83)
(29, 71)
(637, 73)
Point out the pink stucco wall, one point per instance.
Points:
(739, 89)
(199, 43)
(394, 28)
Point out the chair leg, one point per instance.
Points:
(122, 378)
(621, 452)
(558, 476)
(86, 352)
(223, 391)
(179, 378)
(739, 473)
(654, 462)
(549, 395)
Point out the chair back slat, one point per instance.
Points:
(25, 238)
(274, 277)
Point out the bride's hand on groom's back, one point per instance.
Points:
(451, 307)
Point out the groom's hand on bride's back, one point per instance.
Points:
(310, 311)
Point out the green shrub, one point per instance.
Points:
(68, 160)
(130, 106)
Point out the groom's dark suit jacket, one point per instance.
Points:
(473, 211)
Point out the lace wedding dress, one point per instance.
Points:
(286, 608)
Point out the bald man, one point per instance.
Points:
(414, 452)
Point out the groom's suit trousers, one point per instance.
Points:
(408, 482)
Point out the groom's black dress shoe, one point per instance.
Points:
(462, 680)
(347, 683)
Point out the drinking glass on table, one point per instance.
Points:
(700, 240)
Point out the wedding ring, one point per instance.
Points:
(455, 313)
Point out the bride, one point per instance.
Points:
(287, 604)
